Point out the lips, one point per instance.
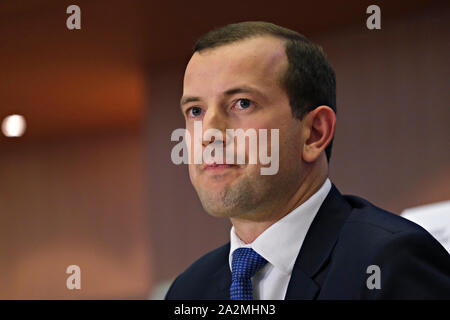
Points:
(215, 166)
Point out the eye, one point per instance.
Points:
(194, 112)
(243, 104)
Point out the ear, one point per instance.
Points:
(318, 129)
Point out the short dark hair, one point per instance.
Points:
(309, 80)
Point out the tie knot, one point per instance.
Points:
(245, 263)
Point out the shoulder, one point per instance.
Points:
(209, 263)
(370, 231)
(199, 273)
(412, 262)
(366, 217)
(375, 228)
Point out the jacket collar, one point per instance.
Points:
(318, 246)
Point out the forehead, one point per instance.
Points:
(258, 61)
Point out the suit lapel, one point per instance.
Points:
(222, 279)
(217, 287)
(317, 246)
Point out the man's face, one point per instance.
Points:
(238, 86)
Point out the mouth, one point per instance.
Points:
(219, 167)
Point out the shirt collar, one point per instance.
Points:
(281, 242)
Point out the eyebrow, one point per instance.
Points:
(186, 99)
(241, 89)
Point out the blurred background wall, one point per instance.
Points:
(91, 182)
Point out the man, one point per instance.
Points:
(294, 236)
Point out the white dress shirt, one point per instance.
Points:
(279, 245)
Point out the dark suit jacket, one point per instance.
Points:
(347, 235)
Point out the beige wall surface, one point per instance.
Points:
(74, 202)
(392, 140)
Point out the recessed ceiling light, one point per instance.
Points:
(13, 125)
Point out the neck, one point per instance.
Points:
(249, 229)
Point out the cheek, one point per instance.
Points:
(258, 123)
(192, 173)
(289, 136)
(291, 143)
(190, 143)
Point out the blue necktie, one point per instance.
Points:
(244, 265)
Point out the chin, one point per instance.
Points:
(218, 212)
(214, 206)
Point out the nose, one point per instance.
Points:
(215, 118)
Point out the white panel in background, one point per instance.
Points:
(435, 218)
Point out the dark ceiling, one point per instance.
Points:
(71, 82)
